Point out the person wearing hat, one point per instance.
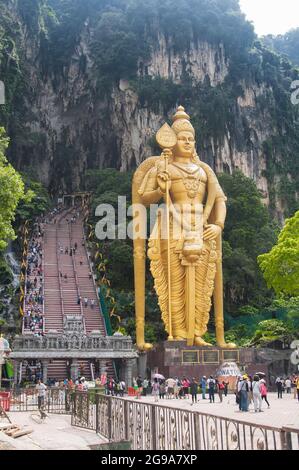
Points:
(243, 393)
(257, 396)
(83, 385)
(264, 391)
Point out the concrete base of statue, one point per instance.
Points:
(176, 359)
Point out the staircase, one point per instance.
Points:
(66, 278)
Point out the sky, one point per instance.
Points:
(271, 16)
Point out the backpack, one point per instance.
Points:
(211, 384)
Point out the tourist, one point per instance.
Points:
(79, 300)
(279, 386)
(170, 383)
(122, 387)
(226, 384)
(85, 302)
(135, 386)
(264, 391)
(294, 379)
(220, 391)
(211, 383)
(41, 394)
(288, 385)
(283, 384)
(65, 278)
(256, 392)
(162, 389)
(156, 389)
(92, 303)
(297, 387)
(145, 386)
(250, 391)
(82, 387)
(243, 393)
(177, 388)
(139, 382)
(193, 390)
(203, 385)
(185, 384)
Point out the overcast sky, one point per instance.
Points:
(272, 16)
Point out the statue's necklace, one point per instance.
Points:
(191, 181)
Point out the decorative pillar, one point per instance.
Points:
(45, 364)
(142, 363)
(128, 372)
(74, 369)
(103, 367)
(73, 201)
(16, 371)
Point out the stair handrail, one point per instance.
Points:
(43, 281)
(93, 280)
(57, 258)
(75, 275)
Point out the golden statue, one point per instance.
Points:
(184, 248)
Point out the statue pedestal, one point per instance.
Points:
(176, 359)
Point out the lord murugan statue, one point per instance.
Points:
(185, 245)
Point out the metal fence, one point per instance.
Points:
(155, 427)
(57, 400)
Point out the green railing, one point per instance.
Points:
(105, 313)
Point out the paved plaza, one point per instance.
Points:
(282, 412)
(56, 433)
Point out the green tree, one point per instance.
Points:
(248, 232)
(11, 192)
(280, 266)
(269, 331)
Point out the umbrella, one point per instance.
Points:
(158, 376)
(260, 374)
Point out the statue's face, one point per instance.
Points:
(185, 144)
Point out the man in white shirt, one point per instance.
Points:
(288, 385)
(170, 383)
(42, 390)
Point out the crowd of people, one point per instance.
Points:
(249, 391)
(34, 299)
(287, 385)
(176, 388)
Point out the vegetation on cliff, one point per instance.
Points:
(11, 192)
(285, 44)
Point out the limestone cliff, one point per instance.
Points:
(63, 122)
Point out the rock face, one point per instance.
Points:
(71, 126)
(200, 61)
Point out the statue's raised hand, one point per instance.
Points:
(162, 178)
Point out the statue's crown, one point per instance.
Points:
(181, 121)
